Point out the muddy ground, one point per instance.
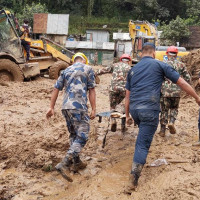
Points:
(31, 146)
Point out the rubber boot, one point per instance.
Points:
(171, 126)
(63, 168)
(113, 125)
(123, 124)
(134, 177)
(78, 164)
(162, 130)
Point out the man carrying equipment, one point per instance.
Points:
(117, 89)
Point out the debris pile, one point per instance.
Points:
(192, 61)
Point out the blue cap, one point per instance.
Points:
(149, 44)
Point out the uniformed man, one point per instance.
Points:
(171, 93)
(117, 89)
(76, 81)
(143, 91)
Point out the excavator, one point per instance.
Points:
(143, 31)
(44, 58)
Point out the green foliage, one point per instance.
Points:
(29, 10)
(176, 31)
(79, 24)
(114, 13)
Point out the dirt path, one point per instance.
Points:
(30, 144)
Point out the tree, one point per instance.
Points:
(29, 10)
(176, 31)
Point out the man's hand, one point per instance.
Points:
(93, 114)
(50, 113)
(129, 120)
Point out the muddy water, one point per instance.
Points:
(29, 142)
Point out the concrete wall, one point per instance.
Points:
(105, 50)
(123, 47)
(89, 45)
(104, 57)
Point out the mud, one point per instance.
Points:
(31, 146)
(192, 61)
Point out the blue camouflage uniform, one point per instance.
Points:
(76, 80)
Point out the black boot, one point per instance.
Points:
(134, 177)
(63, 167)
(113, 125)
(78, 164)
(162, 130)
(123, 124)
(171, 126)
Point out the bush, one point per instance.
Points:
(29, 10)
(176, 31)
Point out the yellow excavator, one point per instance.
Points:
(143, 31)
(44, 58)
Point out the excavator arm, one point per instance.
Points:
(141, 32)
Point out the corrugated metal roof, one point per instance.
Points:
(57, 24)
(97, 36)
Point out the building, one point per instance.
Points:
(54, 25)
(97, 47)
(123, 44)
(104, 51)
(193, 42)
(97, 35)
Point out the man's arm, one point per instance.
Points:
(54, 97)
(105, 70)
(129, 120)
(188, 89)
(127, 101)
(92, 99)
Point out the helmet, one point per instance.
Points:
(79, 54)
(125, 56)
(172, 49)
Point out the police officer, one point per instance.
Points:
(142, 100)
(170, 93)
(76, 81)
(117, 89)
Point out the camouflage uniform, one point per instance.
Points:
(117, 89)
(76, 79)
(170, 93)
